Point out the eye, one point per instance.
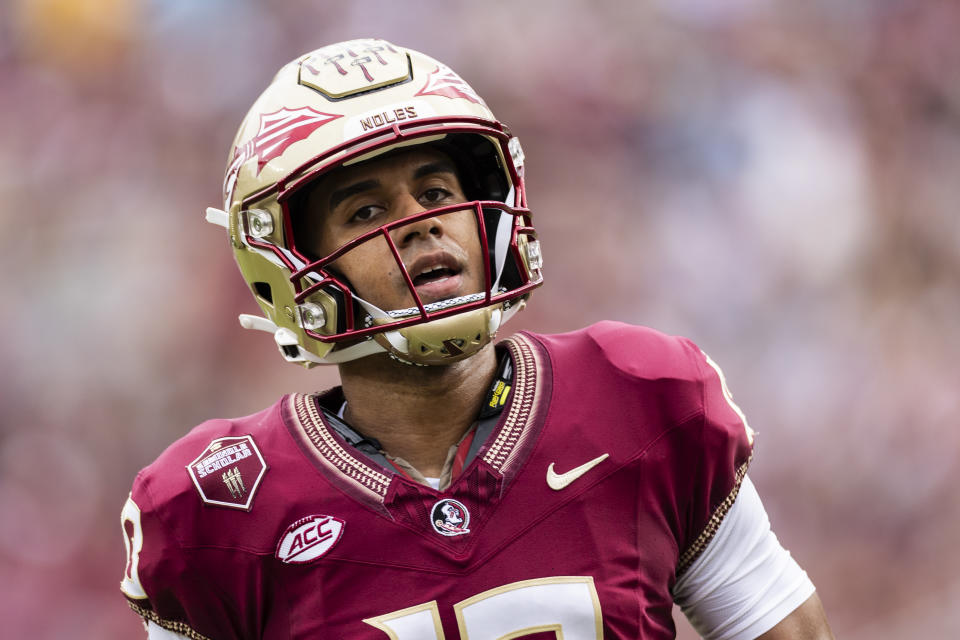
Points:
(365, 213)
(435, 195)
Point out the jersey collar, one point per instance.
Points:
(503, 451)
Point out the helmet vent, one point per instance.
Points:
(263, 291)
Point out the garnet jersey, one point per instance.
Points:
(612, 465)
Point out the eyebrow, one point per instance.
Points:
(339, 195)
(440, 166)
(430, 168)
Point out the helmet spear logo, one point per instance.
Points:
(278, 130)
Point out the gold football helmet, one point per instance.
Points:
(339, 106)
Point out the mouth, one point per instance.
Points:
(436, 276)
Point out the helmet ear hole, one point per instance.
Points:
(263, 291)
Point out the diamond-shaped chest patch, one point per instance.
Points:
(228, 472)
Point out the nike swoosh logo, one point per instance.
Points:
(558, 481)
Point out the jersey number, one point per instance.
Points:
(133, 539)
(567, 605)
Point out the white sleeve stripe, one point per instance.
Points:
(744, 582)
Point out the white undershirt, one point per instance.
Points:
(741, 586)
(156, 632)
(745, 582)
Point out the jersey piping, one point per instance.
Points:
(331, 454)
(170, 625)
(514, 432)
(716, 519)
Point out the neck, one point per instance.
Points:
(417, 413)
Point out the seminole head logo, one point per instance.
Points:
(450, 518)
(278, 130)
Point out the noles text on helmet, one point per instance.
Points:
(374, 203)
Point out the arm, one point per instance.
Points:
(806, 622)
(746, 585)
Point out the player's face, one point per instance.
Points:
(442, 254)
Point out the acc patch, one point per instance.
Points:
(228, 472)
(309, 538)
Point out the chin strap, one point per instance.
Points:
(291, 350)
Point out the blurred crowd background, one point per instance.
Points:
(776, 180)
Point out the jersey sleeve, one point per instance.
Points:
(161, 581)
(723, 447)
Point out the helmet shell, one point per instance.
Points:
(344, 104)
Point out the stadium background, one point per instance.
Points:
(776, 180)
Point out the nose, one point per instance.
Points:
(420, 229)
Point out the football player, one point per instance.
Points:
(452, 487)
